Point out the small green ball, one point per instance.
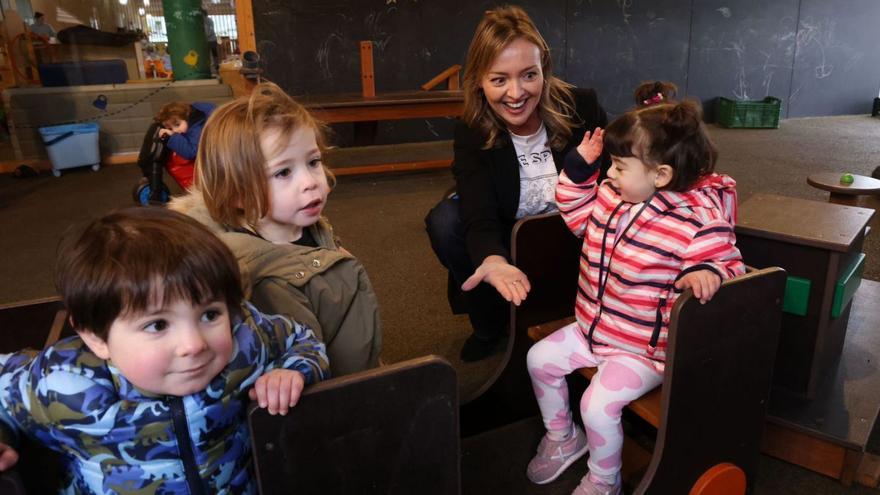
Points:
(846, 179)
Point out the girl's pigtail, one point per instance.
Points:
(683, 121)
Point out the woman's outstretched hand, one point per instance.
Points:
(591, 146)
(508, 280)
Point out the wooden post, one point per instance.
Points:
(368, 82)
(244, 21)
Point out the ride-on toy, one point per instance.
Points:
(154, 157)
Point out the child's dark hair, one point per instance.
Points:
(670, 134)
(125, 261)
(175, 109)
(653, 92)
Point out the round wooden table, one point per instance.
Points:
(845, 194)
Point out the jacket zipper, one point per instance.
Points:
(185, 447)
(652, 345)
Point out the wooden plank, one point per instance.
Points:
(244, 21)
(646, 407)
(381, 99)
(392, 167)
(368, 80)
(390, 111)
(804, 450)
(449, 74)
(868, 472)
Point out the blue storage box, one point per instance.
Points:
(72, 145)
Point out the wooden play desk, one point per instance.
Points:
(825, 402)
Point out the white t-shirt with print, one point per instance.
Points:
(537, 174)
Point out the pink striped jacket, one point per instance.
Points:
(625, 289)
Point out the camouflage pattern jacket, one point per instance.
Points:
(115, 438)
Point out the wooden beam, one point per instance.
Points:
(244, 21)
(386, 112)
(392, 167)
(368, 81)
(450, 74)
(805, 451)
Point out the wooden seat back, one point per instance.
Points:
(716, 386)
(389, 430)
(548, 253)
(32, 324)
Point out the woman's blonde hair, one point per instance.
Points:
(230, 164)
(498, 29)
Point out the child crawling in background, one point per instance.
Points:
(661, 223)
(150, 395)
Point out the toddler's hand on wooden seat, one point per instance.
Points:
(278, 390)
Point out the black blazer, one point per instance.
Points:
(487, 181)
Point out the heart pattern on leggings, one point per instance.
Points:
(615, 377)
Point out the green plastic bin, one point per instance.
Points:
(752, 114)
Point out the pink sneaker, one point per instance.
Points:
(590, 486)
(554, 457)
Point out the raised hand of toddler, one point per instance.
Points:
(278, 390)
(704, 283)
(8, 457)
(591, 146)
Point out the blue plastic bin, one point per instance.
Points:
(72, 145)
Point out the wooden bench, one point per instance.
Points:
(389, 430)
(711, 408)
(717, 425)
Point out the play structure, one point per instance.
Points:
(823, 405)
(705, 384)
(154, 158)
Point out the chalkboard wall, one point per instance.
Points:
(819, 57)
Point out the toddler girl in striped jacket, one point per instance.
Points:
(662, 222)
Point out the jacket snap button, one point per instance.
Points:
(316, 263)
(300, 274)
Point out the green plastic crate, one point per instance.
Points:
(760, 114)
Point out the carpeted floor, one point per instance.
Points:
(380, 219)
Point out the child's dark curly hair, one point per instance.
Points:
(665, 134)
(653, 92)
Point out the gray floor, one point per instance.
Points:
(380, 220)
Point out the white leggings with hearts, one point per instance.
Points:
(622, 377)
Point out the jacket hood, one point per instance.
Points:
(711, 191)
(204, 110)
(193, 204)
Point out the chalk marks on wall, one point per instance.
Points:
(325, 51)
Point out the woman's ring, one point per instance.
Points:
(517, 281)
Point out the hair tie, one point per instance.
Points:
(654, 99)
